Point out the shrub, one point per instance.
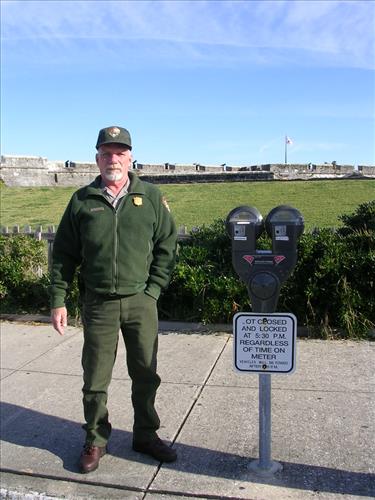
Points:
(203, 286)
(333, 285)
(362, 219)
(23, 280)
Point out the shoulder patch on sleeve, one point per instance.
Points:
(165, 203)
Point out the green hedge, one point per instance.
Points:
(23, 275)
(331, 290)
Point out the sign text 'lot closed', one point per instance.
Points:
(265, 343)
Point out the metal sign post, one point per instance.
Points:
(265, 463)
(264, 342)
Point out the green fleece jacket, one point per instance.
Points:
(123, 251)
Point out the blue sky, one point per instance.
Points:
(205, 82)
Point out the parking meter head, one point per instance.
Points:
(284, 224)
(243, 216)
(244, 225)
(282, 216)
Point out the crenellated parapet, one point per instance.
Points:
(31, 171)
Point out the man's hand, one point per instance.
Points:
(59, 318)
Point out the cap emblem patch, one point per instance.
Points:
(114, 132)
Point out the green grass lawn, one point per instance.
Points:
(320, 202)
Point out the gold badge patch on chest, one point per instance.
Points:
(137, 201)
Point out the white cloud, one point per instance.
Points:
(267, 32)
(318, 146)
(301, 146)
(271, 144)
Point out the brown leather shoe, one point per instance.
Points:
(90, 457)
(157, 449)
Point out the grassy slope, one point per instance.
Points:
(196, 204)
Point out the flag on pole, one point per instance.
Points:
(288, 141)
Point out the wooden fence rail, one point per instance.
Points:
(49, 235)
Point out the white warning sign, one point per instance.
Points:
(265, 343)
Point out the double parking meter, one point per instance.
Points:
(263, 271)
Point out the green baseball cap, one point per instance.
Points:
(114, 134)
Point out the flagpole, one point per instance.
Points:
(286, 154)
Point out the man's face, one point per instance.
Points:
(113, 161)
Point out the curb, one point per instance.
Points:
(164, 326)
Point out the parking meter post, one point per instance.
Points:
(264, 302)
(263, 272)
(264, 422)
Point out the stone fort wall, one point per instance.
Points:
(32, 171)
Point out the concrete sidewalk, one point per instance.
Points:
(323, 421)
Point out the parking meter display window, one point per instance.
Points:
(241, 216)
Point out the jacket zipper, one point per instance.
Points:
(115, 251)
(116, 245)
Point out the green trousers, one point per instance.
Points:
(103, 318)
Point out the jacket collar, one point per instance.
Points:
(136, 186)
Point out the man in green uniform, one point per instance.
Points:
(119, 232)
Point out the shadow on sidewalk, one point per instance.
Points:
(64, 438)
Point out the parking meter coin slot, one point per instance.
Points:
(239, 232)
(280, 233)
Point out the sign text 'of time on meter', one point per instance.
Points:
(265, 343)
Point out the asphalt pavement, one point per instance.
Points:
(323, 421)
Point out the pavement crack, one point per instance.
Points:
(295, 389)
(24, 365)
(188, 412)
(205, 496)
(199, 392)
